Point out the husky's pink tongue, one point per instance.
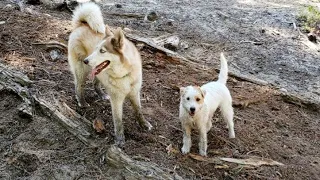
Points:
(93, 73)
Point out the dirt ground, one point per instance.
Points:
(41, 149)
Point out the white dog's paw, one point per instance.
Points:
(232, 134)
(185, 150)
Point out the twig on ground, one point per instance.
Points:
(252, 42)
(53, 44)
(127, 15)
(175, 128)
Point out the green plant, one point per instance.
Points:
(309, 18)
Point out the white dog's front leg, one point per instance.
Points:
(203, 141)
(117, 106)
(186, 139)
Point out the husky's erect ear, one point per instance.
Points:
(182, 91)
(118, 39)
(108, 31)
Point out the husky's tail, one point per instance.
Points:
(223, 75)
(89, 13)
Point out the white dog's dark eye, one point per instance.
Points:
(102, 51)
(198, 99)
(188, 98)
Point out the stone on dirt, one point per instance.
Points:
(172, 43)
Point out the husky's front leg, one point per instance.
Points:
(117, 109)
(135, 101)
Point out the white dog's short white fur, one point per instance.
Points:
(198, 105)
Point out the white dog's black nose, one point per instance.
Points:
(86, 61)
(192, 109)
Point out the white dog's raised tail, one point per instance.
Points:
(223, 75)
(89, 13)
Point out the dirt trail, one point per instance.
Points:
(267, 127)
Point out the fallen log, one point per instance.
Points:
(132, 169)
(76, 128)
(16, 82)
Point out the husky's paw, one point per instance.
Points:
(185, 150)
(147, 126)
(119, 141)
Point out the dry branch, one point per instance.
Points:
(53, 44)
(253, 161)
(152, 44)
(127, 15)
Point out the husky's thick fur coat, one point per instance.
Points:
(112, 60)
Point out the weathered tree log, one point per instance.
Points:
(78, 129)
(132, 169)
(18, 83)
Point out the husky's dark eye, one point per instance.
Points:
(102, 51)
(188, 98)
(198, 99)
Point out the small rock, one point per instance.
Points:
(2, 22)
(127, 30)
(118, 5)
(25, 111)
(170, 22)
(8, 6)
(312, 37)
(283, 90)
(140, 46)
(152, 16)
(172, 43)
(72, 4)
(30, 11)
(55, 54)
(184, 45)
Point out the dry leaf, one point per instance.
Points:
(98, 125)
(171, 150)
(254, 161)
(224, 166)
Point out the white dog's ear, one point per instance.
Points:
(108, 31)
(182, 90)
(118, 39)
(203, 93)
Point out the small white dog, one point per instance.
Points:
(198, 104)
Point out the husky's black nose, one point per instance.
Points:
(86, 61)
(192, 109)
